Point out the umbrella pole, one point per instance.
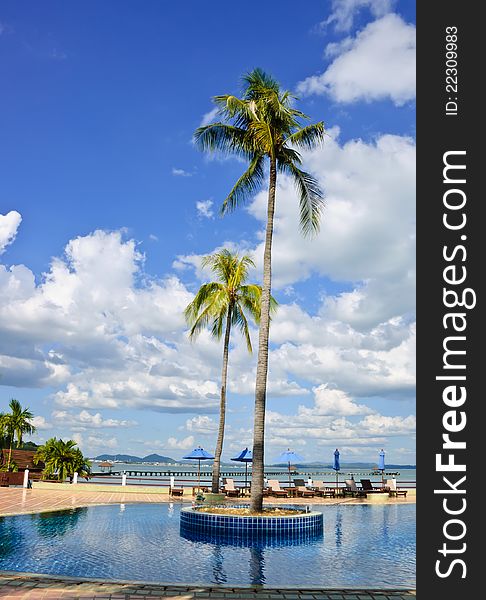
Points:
(198, 476)
(246, 475)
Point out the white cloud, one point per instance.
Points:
(103, 334)
(86, 420)
(40, 423)
(367, 233)
(204, 209)
(360, 371)
(344, 11)
(335, 419)
(202, 424)
(208, 117)
(94, 445)
(174, 444)
(333, 402)
(378, 63)
(95, 442)
(180, 172)
(56, 54)
(9, 225)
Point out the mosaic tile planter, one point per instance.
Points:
(213, 526)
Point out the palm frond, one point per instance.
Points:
(307, 137)
(223, 138)
(233, 108)
(240, 273)
(238, 318)
(249, 183)
(258, 80)
(310, 198)
(203, 296)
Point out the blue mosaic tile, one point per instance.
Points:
(258, 528)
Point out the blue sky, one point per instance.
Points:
(106, 208)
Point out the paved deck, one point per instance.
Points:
(15, 501)
(36, 587)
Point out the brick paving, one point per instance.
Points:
(38, 587)
(15, 501)
(17, 586)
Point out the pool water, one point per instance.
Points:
(362, 545)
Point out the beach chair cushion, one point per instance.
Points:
(275, 488)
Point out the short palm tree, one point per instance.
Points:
(3, 431)
(222, 304)
(261, 127)
(15, 424)
(61, 459)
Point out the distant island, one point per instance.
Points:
(128, 458)
(157, 458)
(356, 465)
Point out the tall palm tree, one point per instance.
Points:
(263, 126)
(16, 424)
(61, 459)
(222, 304)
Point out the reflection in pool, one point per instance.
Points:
(362, 545)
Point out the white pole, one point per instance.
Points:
(75, 478)
(124, 478)
(26, 478)
(172, 482)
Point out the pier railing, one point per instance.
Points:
(189, 479)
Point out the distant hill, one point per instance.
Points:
(158, 458)
(357, 465)
(128, 458)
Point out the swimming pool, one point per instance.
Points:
(362, 545)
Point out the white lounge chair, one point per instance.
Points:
(393, 489)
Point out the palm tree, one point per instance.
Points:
(16, 424)
(3, 431)
(62, 459)
(261, 126)
(223, 304)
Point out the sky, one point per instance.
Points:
(107, 207)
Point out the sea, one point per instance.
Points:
(160, 474)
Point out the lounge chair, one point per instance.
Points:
(369, 489)
(351, 489)
(173, 491)
(304, 492)
(276, 490)
(392, 489)
(230, 489)
(321, 490)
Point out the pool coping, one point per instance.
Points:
(200, 587)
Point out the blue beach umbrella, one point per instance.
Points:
(246, 457)
(381, 463)
(290, 457)
(199, 454)
(336, 466)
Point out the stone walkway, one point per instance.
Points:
(37, 587)
(15, 501)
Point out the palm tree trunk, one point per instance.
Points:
(222, 407)
(262, 365)
(9, 454)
